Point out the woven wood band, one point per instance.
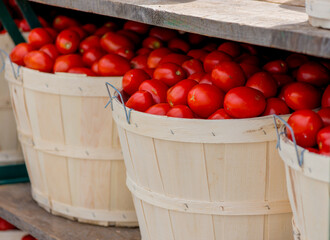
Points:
(204, 207)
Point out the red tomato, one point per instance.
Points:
(264, 82)
(282, 79)
(150, 71)
(220, 114)
(199, 54)
(130, 35)
(305, 125)
(197, 76)
(63, 22)
(140, 101)
(51, 50)
(250, 48)
(111, 25)
(79, 70)
(89, 28)
(206, 79)
(277, 66)
(111, 42)
(152, 43)
(113, 65)
(205, 99)
(4, 225)
(231, 48)
(276, 106)
(313, 73)
(244, 102)
(144, 51)
(39, 37)
(177, 95)
(169, 73)
(174, 58)
(95, 68)
(102, 30)
(65, 62)
(52, 32)
(313, 150)
(295, 60)
(137, 27)
(39, 60)
(139, 62)
(19, 52)
(228, 75)
(210, 47)
(125, 52)
(326, 63)
(195, 39)
(326, 97)
(92, 55)
(325, 115)
(214, 58)
(67, 41)
(193, 66)
(248, 59)
(24, 26)
(180, 111)
(133, 79)
(163, 34)
(249, 69)
(28, 237)
(156, 88)
(159, 109)
(323, 141)
(177, 43)
(156, 55)
(81, 32)
(302, 96)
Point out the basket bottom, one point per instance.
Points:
(319, 22)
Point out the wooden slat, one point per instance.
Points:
(257, 22)
(17, 207)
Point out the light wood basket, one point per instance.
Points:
(12, 235)
(319, 13)
(308, 188)
(197, 179)
(71, 146)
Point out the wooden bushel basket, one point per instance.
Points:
(197, 179)
(319, 13)
(308, 188)
(71, 146)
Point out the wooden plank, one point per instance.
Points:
(258, 22)
(17, 207)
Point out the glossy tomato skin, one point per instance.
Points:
(63, 22)
(249, 69)
(210, 47)
(65, 62)
(206, 79)
(111, 42)
(140, 62)
(305, 125)
(214, 58)
(264, 82)
(156, 88)
(324, 113)
(313, 150)
(19, 52)
(193, 66)
(177, 43)
(51, 50)
(28, 237)
(4, 225)
(156, 55)
(135, 38)
(196, 39)
(228, 75)
(144, 51)
(133, 79)
(220, 114)
(295, 60)
(177, 95)
(79, 70)
(275, 106)
(89, 28)
(169, 73)
(326, 97)
(244, 102)
(205, 99)
(248, 59)
(197, 76)
(39, 37)
(125, 52)
(231, 48)
(92, 55)
(174, 58)
(95, 68)
(199, 54)
(300, 95)
(163, 34)
(140, 101)
(88, 43)
(282, 79)
(313, 73)
(52, 32)
(81, 32)
(323, 141)
(276, 66)
(180, 111)
(152, 43)
(102, 30)
(39, 60)
(137, 27)
(113, 65)
(67, 41)
(159, 109)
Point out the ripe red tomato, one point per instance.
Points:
(80, 70)
(136, 39)
(326, 97)
(95, 68)
(300, 95)
(4, 225)
(24, 26)
(67, 41)
(65, 62)
(282, 79)
(305, 125)
(325, 115)
(295, 60)
(156, 88)
(210, 47)
(39, 37)
(323, 141)
(140, 101)
(180, 111)
(51, 50)
(228, 75)
(111, 25)
(81, 32)
(264, 82)
(156, 55)
(206, 79)
(220, 114)
(250, 48)
(19, 52)
(195, 39)
(276, 106)
(249, 69)
(52, 32)
(150, 71)
(144, 51)
(152, 43)
(89, 28)
(244, 102)
(39, 60)
(197, 76)
(177, 43)
(92, 55)
(133, 79)
(277, 66)
(63, 22)
(193, 66)
(28, 237)
(313, 150)
(169, 73)
(214, 58)
(102, 30)
(205, 99)
(137, 27)
(163, 34)
(113, 65)
(231, 48)
(177, 95)
(199, 54)
(125, 52)
(111, 42)
(159, 109)
(313, 73)
(174, 58)
(140, 62)
(246, 58)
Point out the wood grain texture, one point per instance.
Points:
(17, 207)
(257, 22)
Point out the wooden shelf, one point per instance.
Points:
(17, 207)
(262, 23)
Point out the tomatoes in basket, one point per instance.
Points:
(193, 66)
(220, 114)
(113, 65)
(65, 62)
(4, 225)
(231, 48)
(264, 82)
(180, 111)
(78, 70)
(174, 58)
(88, 43)
(326, 97)
(139, 62)
(152, 43)
(313, 73)
(133, 79)
(249, 69)
(163, 34)
(177, 95)
(323, 141)
(140, 101)
(67, 41)
(295, 60)
(19, 52)
(156, 55)
(169, 73)
(39, 60)
(39, 37)
(28, 237)
(159, 109)
(277, 66)
(156, 88)
(177, 43)
(51, 50)
(214, 58)
(63, 22)
(111, 42)
(324, 113)
(92, 55)
(276, 106)
(137, 27)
